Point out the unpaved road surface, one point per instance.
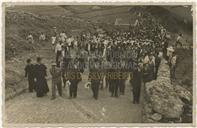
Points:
(27, 108)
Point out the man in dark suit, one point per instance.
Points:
(30, 74)
(74, 76)
(95, 77)
(136, 83)
(115, 81)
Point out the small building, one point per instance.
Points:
(121, 22)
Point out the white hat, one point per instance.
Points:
(170, 49)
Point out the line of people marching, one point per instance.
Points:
(110, 57)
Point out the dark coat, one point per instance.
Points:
(73, 74)
(137, 78)
(41, 82)
(148, 74)
(30, 71)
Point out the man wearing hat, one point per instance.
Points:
(56, 80)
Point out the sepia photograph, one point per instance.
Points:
(98, 64)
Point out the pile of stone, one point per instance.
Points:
(164, 102)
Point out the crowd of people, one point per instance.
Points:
(110, 58)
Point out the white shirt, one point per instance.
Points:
(75, 43)
(105, 42)
(58, 47)
(30, 37)
(173, 61)
(63, 53)
(104, 52)
(163, 31)
(53, 39)
(146, 60)
(170, 50)
(160, 55)
(136, 22)
(63, 36)
(42, 37)
(69, 40)
(89, 47)
(180, 39)
(152, 60)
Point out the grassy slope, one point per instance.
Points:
(42, 10)
(22, 20)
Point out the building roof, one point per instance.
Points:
(120, 21)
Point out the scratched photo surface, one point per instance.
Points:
(98, 64)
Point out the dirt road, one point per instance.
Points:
(27, 108)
